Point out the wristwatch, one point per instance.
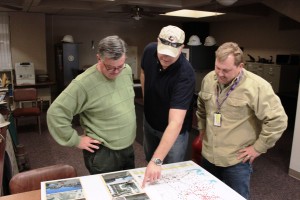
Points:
(157, 161)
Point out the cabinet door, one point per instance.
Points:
(272, 75)
(256, 68)
(67, 64)
(70, 62)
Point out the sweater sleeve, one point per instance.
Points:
(60, 115)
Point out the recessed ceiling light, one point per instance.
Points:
(192, 13)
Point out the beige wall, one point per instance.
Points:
(84, 30)
(259, 37)
(32, 33)
(28, 39)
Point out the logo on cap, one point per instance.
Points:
(171, 38)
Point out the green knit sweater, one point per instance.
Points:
(105, 106)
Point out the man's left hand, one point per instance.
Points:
(248, 153)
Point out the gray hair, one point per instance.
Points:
(112, 47)
(230, 48)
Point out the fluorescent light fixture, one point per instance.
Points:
(192, 13)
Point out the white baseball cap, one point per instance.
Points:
(169, 40)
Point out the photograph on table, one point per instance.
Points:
(123, 186)
(64, 189)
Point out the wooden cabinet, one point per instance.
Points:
(67, 64)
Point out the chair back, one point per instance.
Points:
(22, 95)
(31, 180)
(25, 94)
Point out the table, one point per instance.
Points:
(182, 180)
(32, 195)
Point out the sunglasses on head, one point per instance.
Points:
(166, 42)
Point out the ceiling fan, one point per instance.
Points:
(136, 12)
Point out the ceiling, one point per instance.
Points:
(147, 9)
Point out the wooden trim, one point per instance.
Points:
(294, 174)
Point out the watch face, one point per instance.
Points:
(157, 161)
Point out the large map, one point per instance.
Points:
(179, 181)
(187, 181)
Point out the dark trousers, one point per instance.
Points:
(106, 160)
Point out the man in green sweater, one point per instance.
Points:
(103, 96)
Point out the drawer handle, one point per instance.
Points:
(1, 138)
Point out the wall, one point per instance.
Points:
(33, 36)
(84, 30)
(28, 39)
(259, 36)
(294, 169)
(28, 43)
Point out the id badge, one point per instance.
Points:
(217, 119)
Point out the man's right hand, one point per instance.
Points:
(88, 143)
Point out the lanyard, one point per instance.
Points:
(236, 82)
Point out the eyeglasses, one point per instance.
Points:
(166, 42)
(120, 68)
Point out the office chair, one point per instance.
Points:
(22, 95)
(31, 180)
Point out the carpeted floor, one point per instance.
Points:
(270, 180)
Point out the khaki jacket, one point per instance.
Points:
(251, 115)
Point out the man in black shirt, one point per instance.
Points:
(168, 85)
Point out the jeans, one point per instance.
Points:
(237, 176)
(152, 139)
